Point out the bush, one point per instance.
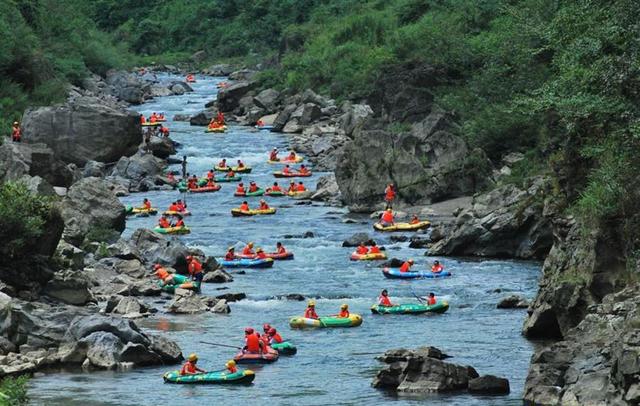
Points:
(13, 391)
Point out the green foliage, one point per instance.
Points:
(13, 391)
(102, 234)
(22, 219)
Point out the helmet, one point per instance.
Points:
(231, 249)
(344, 306)
(250, 244)
(275, 149)
(248, 330)
(15, 123)
(311, 303)
(272, 330)
(189, 257)
(192, 357)
(389, 210)
(266, 326)
(259, 250)
(230, 363)
(410, 261)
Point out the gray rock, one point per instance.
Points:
(187, 302)
(37, 185)
(138, 167)
(94, 169)
(72, 256)
(126, 330)
(417, 242)
(181, 117)
(167, 349)
(217, 276)
(283, 117)
(161, 147)
(219, 70)
(327, 190)
(139, 354)
(229, 97)
(292, 126)
(159, 91)
(179, 88)
(127, 86)
(357, 239)
(156, 248)
(69, 286)
(267, 99)
(513, 302)
(198, 56)
(203, 118)
(18, 160)
(310, 113)
(221, 307)
(125, 305)
(246, 75)
(97, 131)
(103, 349)
(489, 385)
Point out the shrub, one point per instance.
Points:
(13, 391)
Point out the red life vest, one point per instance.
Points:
(253, 343)
(384, 301)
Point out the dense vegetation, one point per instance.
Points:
(13, 391)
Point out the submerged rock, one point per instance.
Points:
(513, 302)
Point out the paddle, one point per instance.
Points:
(221, 345)
(417, 297)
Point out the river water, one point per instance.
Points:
(333, 366)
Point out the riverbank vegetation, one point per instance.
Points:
(13, 391)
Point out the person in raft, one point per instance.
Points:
(192, 183)
(292, 156)
(146, 204)
(263, 205)
(273, 155)
(406, 266)
(223, 163)
(248, 250)
(387, 218)
(181, 206)
(292, 186)
(195, 269)
(275, 188)
(362, 250)
(244, 206)
(230, 174)
(142, 119)
(180, 222)
(164, 222)
(230, 255)
(437, 267)
(240, 189)
(384, 300)
(252, 344)
(414, 220)
(374, 248)
(16, 132)
(231, 366)
(253, 187)
(310, 313)
(431, 299)
(211, 174)
(303, 170)
(240, 164)
(286, 170)
(190, 368)
(274, 336)
(260, 254)
(280, 249)
(301, 187)
(220, 118)
(389, 195)
(344, 312)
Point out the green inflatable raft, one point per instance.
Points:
(411, 308)
(182, 185)
(285, 348)
(179, 281)
(215, 377)
(354, 320)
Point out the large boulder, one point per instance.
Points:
(89, 205)
(245, 75)
(127, 86)
(71, 287)
(161, 147)
(156, 248)
(267, 99)
(327, 190)
(219, 70)
(18, 160)
(357, 239)
(203, 118)
(229, 97)
(139, 167)
(283, 117)
(427, 164)
(84, 129)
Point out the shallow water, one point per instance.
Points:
(333, 366)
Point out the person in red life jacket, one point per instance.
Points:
(266, 327)
(230, 255)
(162, 274)
(146, 204)
(171, 178)
(344, 311)
(153, 118)
(265, 340)
(275, 187)
(173, 207)
(362, 250)
(244, 206)
(387, 218)
(292, 187)
(195, 269)
(384, 300)
(180, 222)
(190, 367)
(230, 174)
(253, 187)
(431, 299)
(263, 205)
(220, 118)
(248, 250)
(280, 249)
(142, 119)
(310, 313)
(211, 174)
(161, 116)
(292, 156)
(374, 248)
(164, 131)
(192, 183)
(223, 163)
(286, 170)
(389, 194)
(260, 123)
(253, 344)
(190, 78)
(437, 267)
(273, 155)
(240, 164)
(414, 220)
(163, 222)
(300, 187)
(406, 266)
(181, 206)
(211, 183)
(274, 336)
(231, 366)
(260, 254)
(240, 190)
(303, 170)
(16, 132)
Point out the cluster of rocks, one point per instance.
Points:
(423, 371)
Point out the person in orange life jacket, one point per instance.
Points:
(230, 174)
(266, 327)
(292, 156)
(214, 124)
(292, 186)
(248, 250)
(303, 170)
(431, 299)
(173, 207)
(16, 132)
(414, 220)
(195, 269)
(231, 254)
(193, 182)
(344, 312)
(374, 248)
(310, 313)
(180, 222)
(211, 183)
(276, 187)
(263, 205)
(265, 340)
(142, 119)
(253, 344)
(406, 266)
(389, 193)
(153, 118)
(231, 366)
(260, 123)
(387, 218)
(273, 155)
(146, 204)
(300, 187)
(260, 254)
(164, 131)
(240, 164)
(160, 116)
(240, 189)
(384, 300)
(437, 267)
(220, 118)
(362, 250)
(163, 222)
(253, 187)
(244, 206)
(280, 249)
(210, 174)
(286, 170)
(274, 336)
(223, 163)
(162, 274)
(181, 205)
(190, 367)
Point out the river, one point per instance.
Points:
(333, 366)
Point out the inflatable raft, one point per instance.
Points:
(216, 129)
(177, 213)
(179, 281)
(402, 226)
(258, 192)
(264, 127)
(394, 273)
(244, 169)
(215, 377)
(226, 179)
(261, 358)
(148, 124)
(247, 263)
(272, 255)
(411, 308)
(206, 189)
(297, 160)
(285, 348)
(172, 230)
(295, 194)
(240, 213)
(279, 174)
(353, 320)
(274, 193)
(130, 210)
(368, 257)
